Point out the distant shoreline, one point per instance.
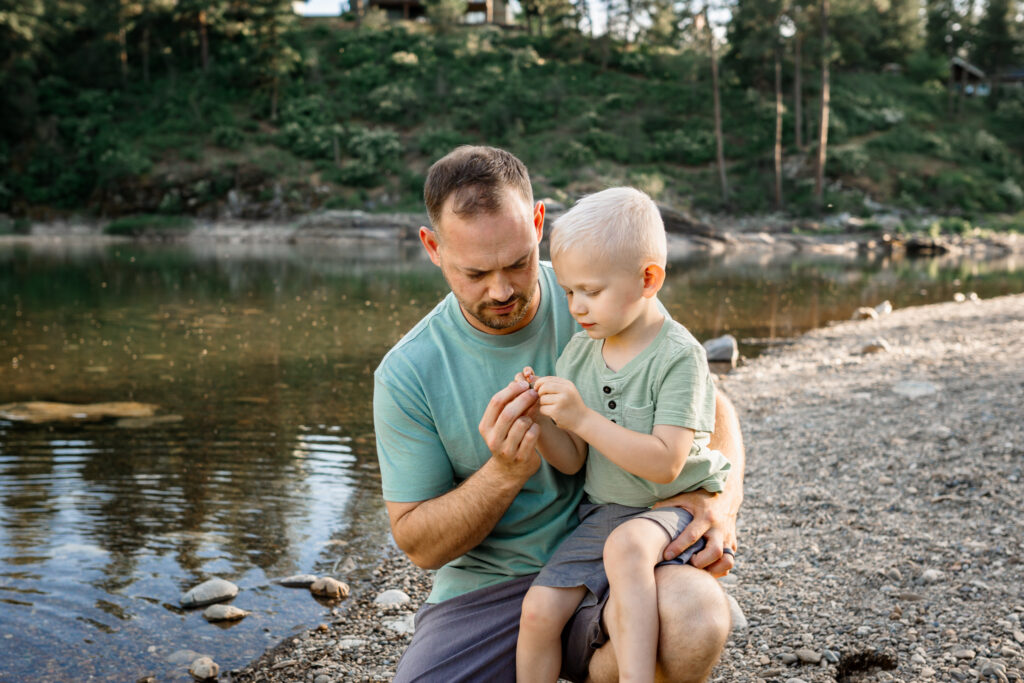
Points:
(713, 235)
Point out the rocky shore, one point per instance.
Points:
(885, 233)
(881, 535)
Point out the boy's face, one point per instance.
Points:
(605, 298)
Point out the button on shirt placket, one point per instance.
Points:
(611, 403)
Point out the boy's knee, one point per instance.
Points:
(538, 615)
(629, 543)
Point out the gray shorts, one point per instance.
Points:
(473, 637)
(578, 561)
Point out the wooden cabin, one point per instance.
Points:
(966, 78)
(477, 11)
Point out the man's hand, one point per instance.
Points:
(714, 519)
(561, 401)
(510, 434)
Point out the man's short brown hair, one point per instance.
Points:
(477, 176)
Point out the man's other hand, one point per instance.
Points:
(510, 434)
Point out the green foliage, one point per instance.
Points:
(923, 67)
(147, 224)
(693, 146)
(228, 137)
(434, 144)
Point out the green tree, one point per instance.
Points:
(995, 44)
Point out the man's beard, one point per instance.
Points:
(481, 312)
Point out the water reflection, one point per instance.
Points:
(260, 462)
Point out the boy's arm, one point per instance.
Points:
(563, 450)
(658, 457)
(714, 514)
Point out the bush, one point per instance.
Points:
(923, 67)
(147, 223)
(228, 137)
(691, 146)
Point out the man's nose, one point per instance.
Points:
(500, 288)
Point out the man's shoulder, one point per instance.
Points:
(417, 345)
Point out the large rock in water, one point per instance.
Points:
(327, 587)
(224, 613)
(38, 412)
(204, 669)
(209, 592)
(722, 349)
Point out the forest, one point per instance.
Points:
(242, 108)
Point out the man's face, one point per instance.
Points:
(491, 262)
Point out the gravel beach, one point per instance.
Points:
(880, 538)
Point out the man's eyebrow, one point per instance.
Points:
(476, 271)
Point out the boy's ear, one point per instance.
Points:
(654, 278)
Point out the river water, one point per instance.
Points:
(262, 463)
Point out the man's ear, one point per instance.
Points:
(432, 243)
(538, 220)
(654, 278)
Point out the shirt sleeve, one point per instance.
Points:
(414, 465)
(686, 395)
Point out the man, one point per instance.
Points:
(469, 495)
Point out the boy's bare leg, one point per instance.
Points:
(694, 625)
(546, 611)
(630, 554)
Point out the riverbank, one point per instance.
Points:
(883, 234)
(882, 529)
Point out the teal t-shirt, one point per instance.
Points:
(668, 383)
(430, 392)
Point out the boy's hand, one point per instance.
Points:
(561, 401)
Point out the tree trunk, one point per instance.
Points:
(122, 44)
(778, 128)
(145, 55)
(798, 96)
(204, 43)
(719, 152)
(819, 171)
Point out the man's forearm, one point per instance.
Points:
(436, 531)
(728, 440)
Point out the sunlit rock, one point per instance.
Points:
(878, 345)
(327, 587)
(404, 625)
(297, 580)
(224, 613)
(391, 598)
(204, 669)
(864, 313)
(884, 308)
(147, 422)
(38, 412)
(208, 592)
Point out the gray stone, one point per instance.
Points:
(204, 669)
(350, 643)
(830, 656)
(930, 576)
(788, 658)
(327, 587)
(914, 388)
(322, 678)
(808, 656)
(224, 613)
(739, 620)
(392, 598)
(722, 349)
(208, 592)
(884, 308)
(297, 581)
(894, 574)
(404, 625)
(964, 653)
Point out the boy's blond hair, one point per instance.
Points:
(621, 224)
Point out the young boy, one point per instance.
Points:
(638, 412)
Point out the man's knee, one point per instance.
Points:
(695, 623)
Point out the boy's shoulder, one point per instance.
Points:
(678, 338)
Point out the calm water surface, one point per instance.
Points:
(260, 360)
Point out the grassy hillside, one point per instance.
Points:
(364, 112)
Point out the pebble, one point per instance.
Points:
(930, 576)
(830, 656)
(964, 653)
(915, 389)
(392, 598)
(788, 658)
(214, 590)
(224, 613)
(330, 588)
(808, 656)
(203, 669)
(739, 620)
(877, 345)
(402, 625)
(297, 581)
(350, 643)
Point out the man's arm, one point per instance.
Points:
(714, 514)
(436, 531)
